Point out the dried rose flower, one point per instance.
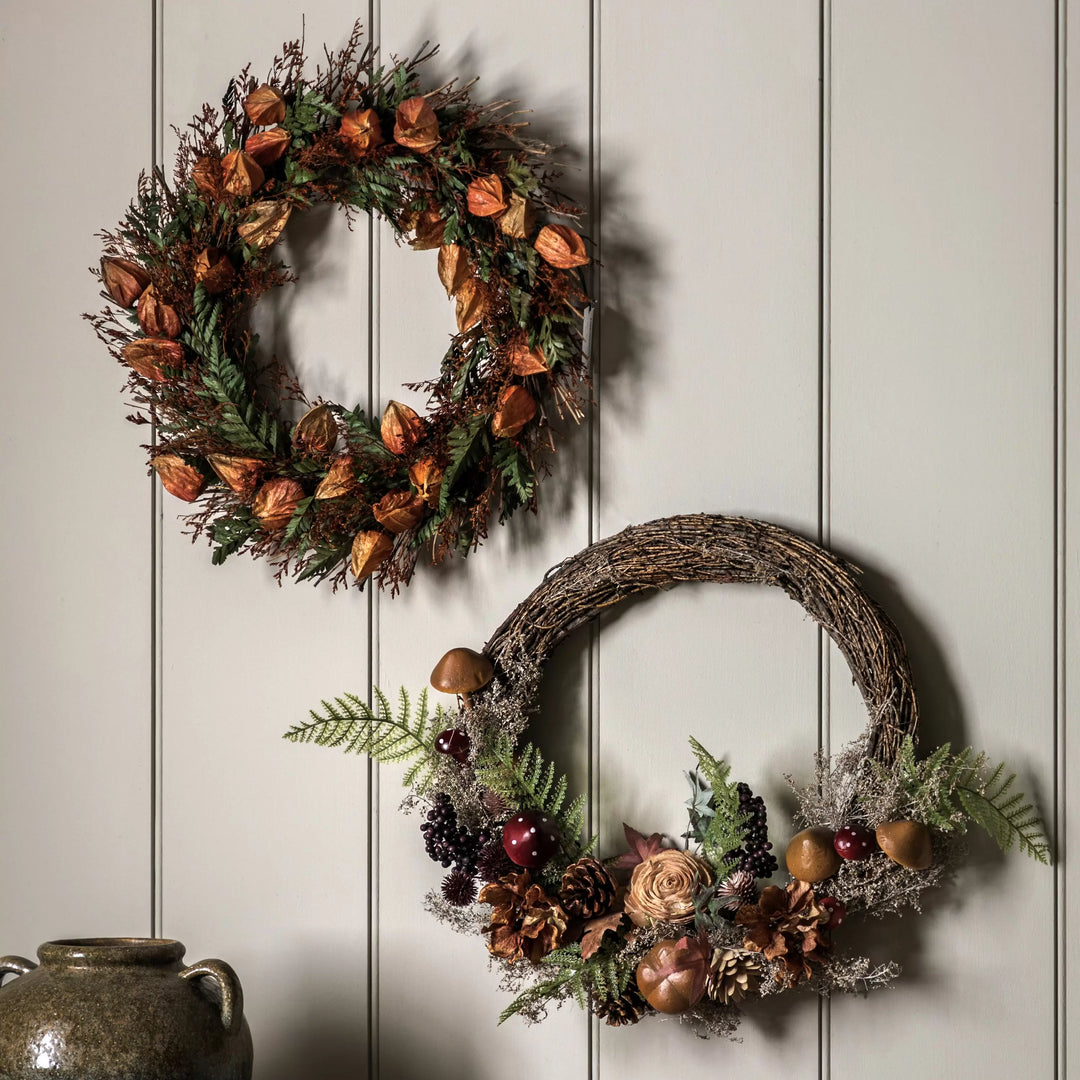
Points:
(663, 887)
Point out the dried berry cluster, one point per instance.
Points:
(340, 489)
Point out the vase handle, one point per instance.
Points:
(15, 965)
(232, 996)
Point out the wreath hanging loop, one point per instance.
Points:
(337, 489)
(690, 926)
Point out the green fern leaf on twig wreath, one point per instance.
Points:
(350, 724)
(725, 830)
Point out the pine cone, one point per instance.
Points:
(787, 925)
(730, 975)
(525, 923)
(736, 890)
(587, 889)
(627, 1008)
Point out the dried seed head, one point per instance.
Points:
(416, 126)
(339, 480)
(265, 106)
(239, 474)
(178, 477)
(156, 318)
(264, 222)
(361, 132)
(401, 428)
(123, 279)
(485, 196)
(316, 431)
(149, 357)
(453, 267)
(561, 247)
(370, 549)
(399, 511)
(214, 270)
(276, 502)
(519, 219)
(471, 304)
(241, 172)
(427, 478)
(516, 408)
(267, 147)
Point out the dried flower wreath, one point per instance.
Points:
(663, 928)
(189, 260)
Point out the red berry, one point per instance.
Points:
(530, 839)
(454, 743)
(855, 842)
(837, 911)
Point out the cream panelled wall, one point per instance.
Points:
(834, 238)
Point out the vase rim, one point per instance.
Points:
(92, 952)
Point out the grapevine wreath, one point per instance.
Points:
(668, 927)
(339, 488)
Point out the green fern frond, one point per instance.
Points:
(350, 724)
(726, 827)
(1007, 818)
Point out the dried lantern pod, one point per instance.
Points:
(520, 218)
(370, 549)
(454, 268)
(399, 511)
(157, 318)
(178, 477)
(339, 480)
(264, 222)
(361, 131)
(276, 502)
(240, 474)
(214, 270)
(485, 196)
(430, 231)
(265, 106)
(526, 361)
(241, 172)
(561, 247)
(316, 431)
(267, 147)
(207, 177)
(516, 407)
(427, 477)
(149, 357)
(471, 304)
(124, 280)
(401, 428)
(416, 125)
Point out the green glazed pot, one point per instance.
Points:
(121, 1009)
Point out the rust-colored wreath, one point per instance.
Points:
(338, 489)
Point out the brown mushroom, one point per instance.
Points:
(462, 671)
(906, 843)
(811, 856)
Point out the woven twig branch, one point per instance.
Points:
(706, 547)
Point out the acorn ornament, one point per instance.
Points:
(811, 855)
(906, 843)
(530, 839)
(854, 842)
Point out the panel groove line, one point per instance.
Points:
(824, 417)
(1060, 536)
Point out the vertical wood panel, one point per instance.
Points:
(942, 475)
(265, 843)
(709, 137)
(538, 55)
(74, 572)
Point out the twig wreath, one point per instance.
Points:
(338, 488)
(673, 928)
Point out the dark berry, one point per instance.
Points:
(449, 844)
(754, 855)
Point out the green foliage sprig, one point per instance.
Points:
(350, 724)
(724, 831)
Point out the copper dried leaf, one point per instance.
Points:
(427, 478)
(241, 172)
(276, 502)
(430, 231)
(485, 196)
(240, 474)
(149, 357)
(370, 549)
(595, 929)
(399, 511)
(178, 477)
(561, 247)
(339, 480)
(471, 304)
(401, 428)
(641, 848)
(123, 279)
(317, 430)
(361, 131)
(265, 106)
(214, 270)
(157, 318)
(516, 407)
(264, 222)
(453, 267)
(526, 361)
(520, 218)
(267, 147)
(416, 126)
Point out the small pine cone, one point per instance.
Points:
(587, 889)
(493, 863)
(730, 975)
(459, 888)
(627, 1008)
